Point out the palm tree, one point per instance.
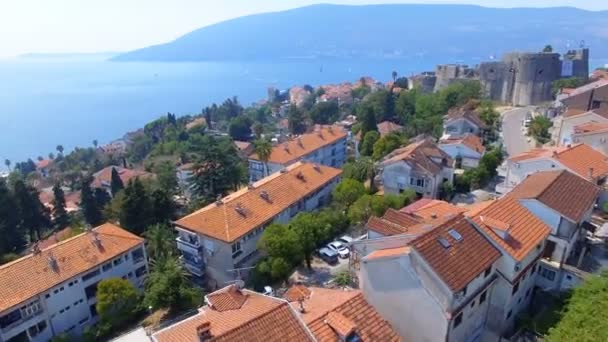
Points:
(160, 241)
(394, 76)
(263, 148)
(51, 156)
(40, 158)
(7, 163)
(59, 149)
(95, 143)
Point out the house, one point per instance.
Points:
(335, 315)
(234, 314)
(103, 178)
(462, 120)
(436, 287)
(43, 167)
(594, 134)
(220, 239)
(588, 97)
(244, 148)
(52, 290)
(466, 150)
(421, 166)
(569, 124)
(72, 199)
(325, 146)
(579, 159)
(564, 202)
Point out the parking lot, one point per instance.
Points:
(320, 273)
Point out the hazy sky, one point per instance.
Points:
(120, 25)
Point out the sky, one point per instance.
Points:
(68, 26)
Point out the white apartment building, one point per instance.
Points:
(325, 146)
(566, 126)
(461, 121)
(421, 166)
(52, 291)
(219, 241)
(467, 149)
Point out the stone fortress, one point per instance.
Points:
(519, 79)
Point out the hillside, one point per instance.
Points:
(446, 32)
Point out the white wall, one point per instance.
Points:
(517, 172)
(470, 158)
(567, 126)
(460, 127)
(549, 216)
(396, 176)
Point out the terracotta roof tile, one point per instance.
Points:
(103, 177)
(259, 318)
(341, 324)
(469, 140)
(525, 230)
(297, 293)
(229, 299)
(475, 208)
(420, 155)
(387, 252)
(437, 209)
(31, 275)
(458, 264)
(591, 128)
(297, 148)
(466, 113)
(386, 127)
(245, 210)
(410, 209)
(552, 188)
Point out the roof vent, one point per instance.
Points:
(219, 201)
(203, 331)
(444, 242)
(53, 263)
(36, 249)
(95, 239)
(456, 235)
(265, 196)
(554, 154)
(434, 215)
(590, 173)
(240, 209)
(330, 129)
(283, 170)
(300, 176)
(320, 134)
(316, 167)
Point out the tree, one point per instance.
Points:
(571, 82)
(586, 312)
(117, 301)
(51, 155)
(387, 144)
(382, 104)
(263, 148)
(13, 236)
(394, 75)
(95, 143)
(307, 229)
(548, 48)
(366, 206)
(361, 169)
(160, 241)
(167, 286)
(135, 208)
(116, 183)
(539, 129)
(60, 215)
(163, 207)
(240, 128)
(59, 149)
(325, 112)
(296, 120)
(8, 164)
(347, 192)
(166, 175)
(88, 203)
(34, 216)
(367, 119)
(281, 241)
(369, 139)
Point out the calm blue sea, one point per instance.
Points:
(71, 101)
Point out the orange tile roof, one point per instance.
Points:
(230, 299)
(475, 208)
(464, 260)
(469, 140)
(394, 222)
(296, 293)
(329, 312)
(411, 208)
(31, 275)
(259, 318)
(419, 155)
(196, 122)
(591, 127)
(305, 144)
(465, 112)
(388, 252)
(562, 191)
(225, 223)
(579, 158)
(384, 128)
(103, 177)
(525, 230)
(43, 163)
(437, 209)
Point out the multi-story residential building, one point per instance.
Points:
(447, 274)
(306, 314)
(594, 134)
(466, 150)
(325, 146)
(52, 290)
(421, 166)
(460, 121)
(593, 96)
(221, 238)
(564, 202)
(573, 123)
(579, 159)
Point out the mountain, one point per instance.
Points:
(437, 32)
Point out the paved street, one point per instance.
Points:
(513, 136)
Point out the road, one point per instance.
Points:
(513, 135)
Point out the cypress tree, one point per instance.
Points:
(135, 208)
(60, 215)
(88, 204)
(13, 237)
(116, 183)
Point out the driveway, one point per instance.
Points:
(513, 136)
(321, 272)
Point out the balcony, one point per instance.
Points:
(196, 266)
(6, 327)
(190, 245)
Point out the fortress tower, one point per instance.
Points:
(529, 77)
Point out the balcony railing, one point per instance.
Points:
(22, 320)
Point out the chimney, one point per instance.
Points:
(95, 239)
(299, 140)
(203, 331)
(316, 167)
(434, 215)
(53, 263)
(590, 173)
(301, 302)
(286, 147)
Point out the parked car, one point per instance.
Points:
(328, 255)
(339, 248)
(346, 239)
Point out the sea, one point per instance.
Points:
(73, 100)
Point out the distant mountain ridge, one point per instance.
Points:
(441, 32)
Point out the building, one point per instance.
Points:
(243, 148)
(421, 166)
(52, 290)
(221, 238)
(43, 167)
(384, 128)
(325, 146)
(574, 123)
(593, 96)
(466, 151)
(436, 287)
(594, 134)
(103, 178)
(233, 314)
(579, 159)
(334, 315)
(460, 121)
(564, 202)
(446, 74)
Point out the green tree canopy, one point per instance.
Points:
(60, 215)
(571, 82)
(388, 144)
(347, 192)
(13, 236)
(310, 234)
(539, 129)
(116, 302)
(325, 112)
(280, 241)
(116, 182)
(135, 208)
(361, 169)
(160, 241)
(367, 146)
(296, 120)
(240, 128)
(366, 206)
(167, 286)
(263, 148)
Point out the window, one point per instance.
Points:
(91, 290)
(47, 295)
(482, 298)
(509, 314)
(83, 321)
(140, 271)
(30, 309)
(93, 310)
(10, 318)
(487, 272)
(533, 269)
(473, 303)
(75, 303)
(595, 104)
(90, 275)
(36, 329)
(420, 182)
(130, 274)
(519, 300)
(464, 291)
(126, 257)
(236, 249)
(547, 274)
(107, 267)
(458, 320)
(515, 289)
(117, 261)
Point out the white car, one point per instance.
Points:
(339, 248)
(345, 239)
